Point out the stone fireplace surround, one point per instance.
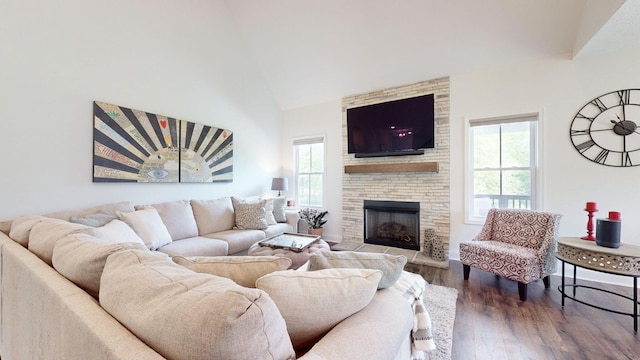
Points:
(413, 178)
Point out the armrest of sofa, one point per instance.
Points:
(379, 331)
(292, 218)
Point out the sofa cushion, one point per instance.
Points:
(314, 302)
(149, 226)
(279, 204)
(213, 215)
(197, 245)
(238, 240)
(390, 265)
(178, 217)
(45, 234)
(94, 220)
(81, 257)
(21, 228)
(116, 231)
(243, 270)
(249, 215)
(186, 315)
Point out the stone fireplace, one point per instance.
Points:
(423, 179)
(392, 223)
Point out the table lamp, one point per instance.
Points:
(280, 184)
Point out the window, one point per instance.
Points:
(309, 171)
(503, 164)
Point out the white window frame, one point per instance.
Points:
(314, 139)
(536, 163)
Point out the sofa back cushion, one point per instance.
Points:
(45, 234)
(243, 270)
(21, 228)
(213, 215)
(177, 216)
(313, 302)
(81, 257)
(186, 315)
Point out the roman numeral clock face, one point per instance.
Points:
(606, 130)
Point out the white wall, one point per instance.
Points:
(322, 119)
(558, 88)
(177, 58)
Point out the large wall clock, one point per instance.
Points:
(606, 129)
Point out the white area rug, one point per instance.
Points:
(440, 301)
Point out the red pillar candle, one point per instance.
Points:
(614, 215)
(591, 206)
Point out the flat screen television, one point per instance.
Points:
(399, 127)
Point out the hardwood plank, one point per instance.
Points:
(391, 168)
(492, 323)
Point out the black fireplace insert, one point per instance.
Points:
(392, 223)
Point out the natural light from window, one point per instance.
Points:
(309, 171)
(503, 165)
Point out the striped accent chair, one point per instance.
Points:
(517, 244)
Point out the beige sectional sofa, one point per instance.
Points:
(74, 291)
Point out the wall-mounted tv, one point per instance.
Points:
(399, 127)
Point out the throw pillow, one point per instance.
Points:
(116, 231)
(81, 258)
(390, 265)
(271, 220)
(313, 302)
(249, 216)
(149, 226)
(93, 220)
(185, 315)
(279, 204)
(243, 270)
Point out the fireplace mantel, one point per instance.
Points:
(430, 166)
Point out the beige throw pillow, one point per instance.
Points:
(182, 314)
(249, 216)
(390, 265)
(313, 302)
(149, 226)
(243, 270)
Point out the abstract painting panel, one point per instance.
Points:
(136, 146)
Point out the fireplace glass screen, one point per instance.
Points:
(392, 223)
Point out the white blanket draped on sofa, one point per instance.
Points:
(412, 286)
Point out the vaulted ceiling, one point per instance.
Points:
(311, 51)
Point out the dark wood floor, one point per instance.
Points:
(492, 323)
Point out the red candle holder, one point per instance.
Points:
(590, 209)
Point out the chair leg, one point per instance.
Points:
(547, 281)
(522, 290)
(465, 271)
